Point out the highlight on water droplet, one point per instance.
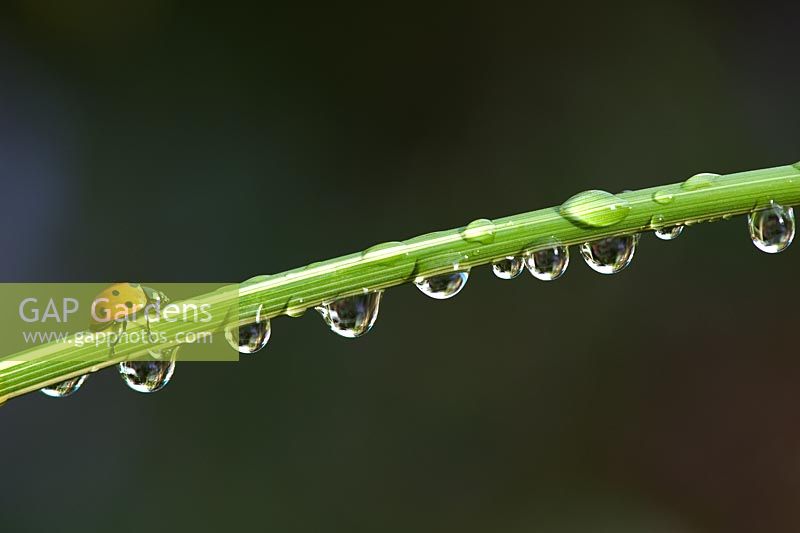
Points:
(669, 233)
(663, 197)
(548, 264)
(772, 229)
(595, 209)
(65, 388)
(149, 375)
(480, 231)
(699, 181)
(610, 255)
(251, 336)
(443, 286)
(352, 316)
(508, 267)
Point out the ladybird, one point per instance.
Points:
(118, 301)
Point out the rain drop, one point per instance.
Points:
(480, 231)
(250, 337)
(352, 316)
(595, 209)
(508, 267)
(772, 229)
(149, 376)
(443, 286)
(65, 388)
(610, 255)
(699, 181)
(663, 197)
(296, 307)
(548, 264)
(669, 233)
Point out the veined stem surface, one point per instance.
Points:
(702, 198)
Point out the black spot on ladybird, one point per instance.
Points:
(115, 292)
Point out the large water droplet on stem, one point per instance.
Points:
(149, 376)
(250, 337)
(663, 197)
(772, 229)
(508, 267)
(548, 264)
(65, 388)
(699, 181)
(480, 231)
(595, 209)
(667, 234)
(352, 316)
(610, 255)
(443, 286)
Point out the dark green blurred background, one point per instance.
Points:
(169, 141)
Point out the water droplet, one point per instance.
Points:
(352, 316)
(663, 197)
(772, 229)
(699, 181)
(250, 337)
(156, 301)
(443, 286)
(384, 249)
(65, 388)
(610, 255)
(296, 307)
(508, 267)
(149, 376)
(669, 233)
(389, 259)
(548, 264)
(657, 221)
(727, 216)
(596, 209)
(481, 231)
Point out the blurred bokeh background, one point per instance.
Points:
(156, 140)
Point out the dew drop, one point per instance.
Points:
(669, 233)
(390, 257)
(481, 231)
(384, 249)
(443, 286)
(610, 255)
(250, 337)
(548, 264)
(772, 229)
(596, 209)
(663, 197)
(508, 267)
(699, 181)
(352, 316)
(296, 307)
(65, 388)
(156, 301)
(149, 376)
